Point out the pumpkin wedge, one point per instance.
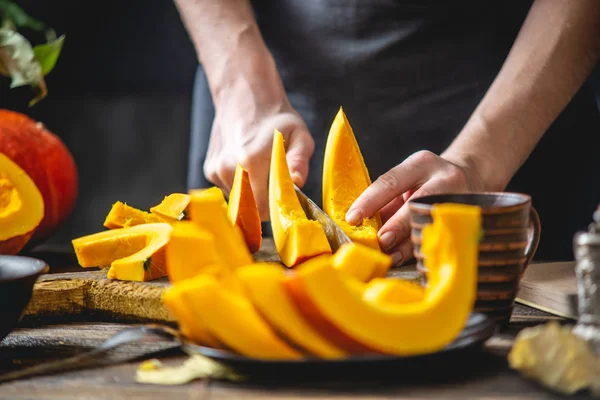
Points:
(122, 215)
(191, 251)
(263, 286)
(190, 323)
(242, 209)
(361, 262)
(21, 207)
(393, 290)
(173, 207)
(233, 321)
(345, 177)
(450, 248)
(296, 237)
(134, 254)
(208, 209)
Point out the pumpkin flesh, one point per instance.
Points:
(233, 321)
(191, 251)
(345, 177)
(134, 254)
(263, 286)
(393, 290)
(296, 237)
(450, 245)
(208, 209)
(361, 261)
(243, 211)
(21, 207)
(122, 215)
(172, 207)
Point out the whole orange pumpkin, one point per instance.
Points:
(49, 163)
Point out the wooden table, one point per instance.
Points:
(35, 341)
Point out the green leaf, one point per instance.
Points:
(18, 61)
(11, 11)
(47, 54)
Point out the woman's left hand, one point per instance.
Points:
(423, 173)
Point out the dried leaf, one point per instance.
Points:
(558, 359)
(195, 367)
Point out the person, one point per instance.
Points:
(443, 96)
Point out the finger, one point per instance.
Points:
(300, 148)
(391, 208)
(397, 228)
(210, 172)
(406, 176)
(402, 253)
(226, 171)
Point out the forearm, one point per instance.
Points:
(228, 42)
(555, 51)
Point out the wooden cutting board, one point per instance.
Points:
(81, 295)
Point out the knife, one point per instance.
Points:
(335, 235)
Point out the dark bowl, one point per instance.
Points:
(17, 276)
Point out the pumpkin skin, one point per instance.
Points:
(242, 209)
(48, 162)
(296, 237)
(345, 177)
(136, 253)
(21, 207)
(450, 244)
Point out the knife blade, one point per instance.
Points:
(335, 235)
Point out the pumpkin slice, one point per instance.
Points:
(190, 323)
(208, 209)
(21, 207)
(231, 318)
(242, 209)
(122, 215)
(361, 262)
(191, 250)
(450, 247)
(393, 290)
(296, 237)
(134, 254)
(263, 285)
(173, 207)
(345, 177)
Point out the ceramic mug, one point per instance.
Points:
(511, 234)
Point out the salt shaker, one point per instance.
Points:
(587, 270)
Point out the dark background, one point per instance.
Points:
(120, 99)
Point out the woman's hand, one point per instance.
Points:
(242, 132)
(423, 173)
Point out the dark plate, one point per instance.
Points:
(467, 346)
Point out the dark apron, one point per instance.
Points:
(409, 74)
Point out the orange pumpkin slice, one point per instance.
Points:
(233, 321)
(21, 207)
(122, 215)
(361, 262)
(134, 254)
(242, 209)
(263, 285)
(345, 177)
(296, 237)
(450, 246)
(173, 207)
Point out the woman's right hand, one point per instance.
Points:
(248, 108)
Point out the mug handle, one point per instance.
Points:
(535, 229)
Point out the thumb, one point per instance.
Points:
(300, 148)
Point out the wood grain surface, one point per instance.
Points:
(89, 293)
